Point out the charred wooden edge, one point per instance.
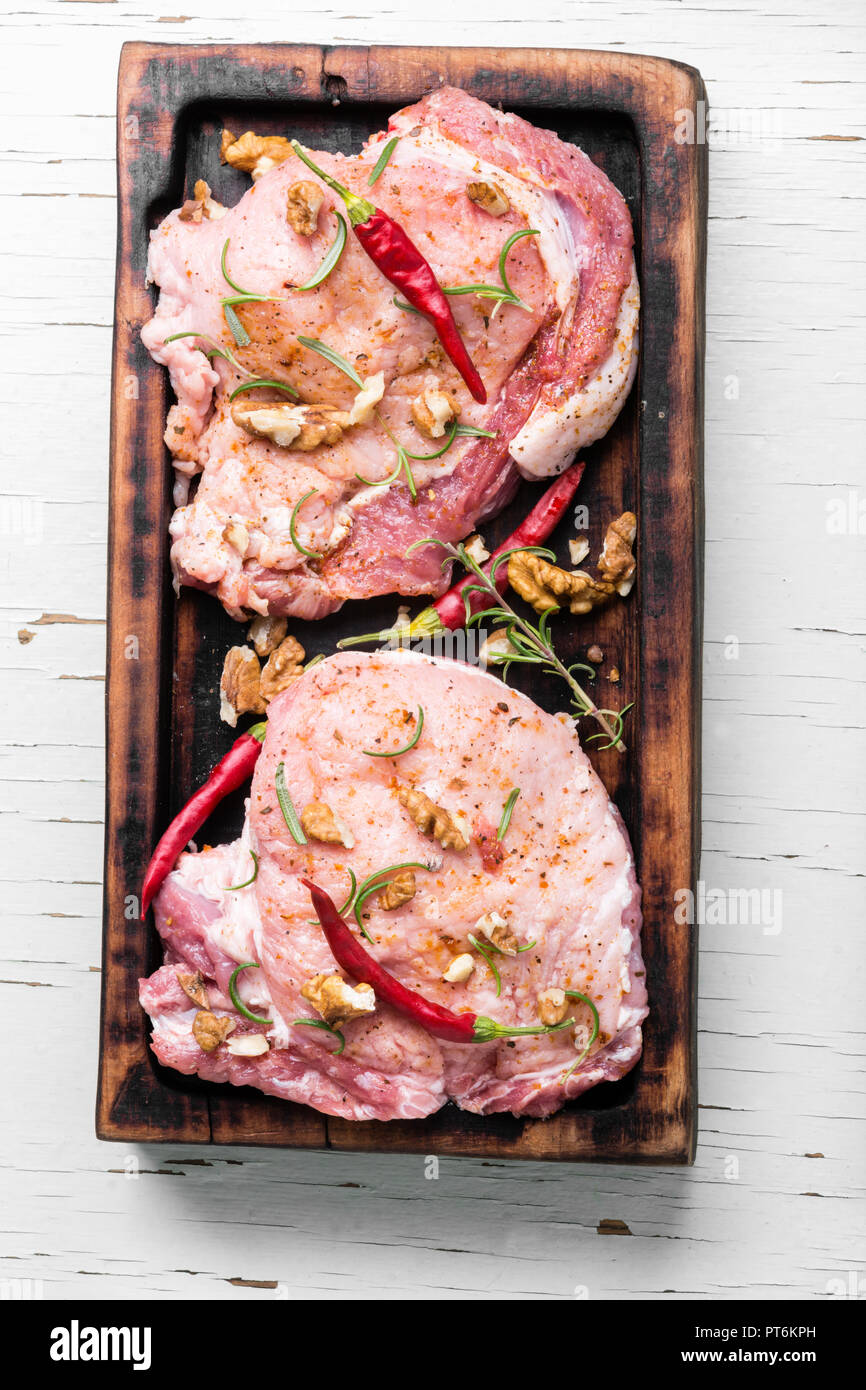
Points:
(137, 1102)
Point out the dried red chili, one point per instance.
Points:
(396, 255)
(442, 1023)
(231, 772)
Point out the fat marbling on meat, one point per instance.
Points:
(556, 373)
(566, 883)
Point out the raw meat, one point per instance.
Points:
(567, 883)
(556, 374)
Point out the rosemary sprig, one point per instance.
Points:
(241, 296)
(331, 259)
(506, 813)
(235, 887)
(576, 994)
(372, 884)
(396, 752)
(216, 349)
(383, 159)
(320, 1023)
(353, 888)
(531, 643)
(482, 951)
(290, 815)
(503, 293)
(310, 554)
(260, 383)
(331, 355)
(235, 997)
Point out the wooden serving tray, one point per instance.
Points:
(165, 655)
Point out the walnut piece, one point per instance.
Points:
(302, 427)
(237, 536)
(544, 585)
(552, 1006)
(432, 820)
(254, 154)
(578, 549)
(595, 655)
(369, 396)
(319, 822)
(616, 563)
(459, 970)
(193, 987)
(201, 206)
(488, 196)
(209, 1031)
(282, 667)
(547, 586)
(303, 201)
(266, 634)
(336, 1001)
(399, 890)
(248, 1045)
(240, 686)
(498, 933)
(432, 412)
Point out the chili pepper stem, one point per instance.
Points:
(427, 623)
(359, 209)
(487, 1029)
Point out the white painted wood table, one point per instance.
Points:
(766, 1212)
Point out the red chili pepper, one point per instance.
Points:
(231, 772)
(400, 261)
(442, 1023)
(449, 611)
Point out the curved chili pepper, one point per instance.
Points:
(231, 772)
(442, 1023)
(396, 255)
(449, 611)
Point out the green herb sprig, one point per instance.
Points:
(235, 997)
(310, 554)
(236, 887)
(290, 815)
(397, 752)
(529, 643)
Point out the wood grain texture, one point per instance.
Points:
(162, 733)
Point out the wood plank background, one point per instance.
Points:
(163, 733)
(767, 1209)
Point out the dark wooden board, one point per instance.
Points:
(165, 655)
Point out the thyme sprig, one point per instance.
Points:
(529, 644)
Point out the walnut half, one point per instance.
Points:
(552, 1006)
(282, 668)
(336, 1001)
(433, 820)
(254, 154)
(303, 201)
(302, 427)
(240, 686)
(617, 564)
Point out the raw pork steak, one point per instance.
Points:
(556, 372)
(566, 883)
